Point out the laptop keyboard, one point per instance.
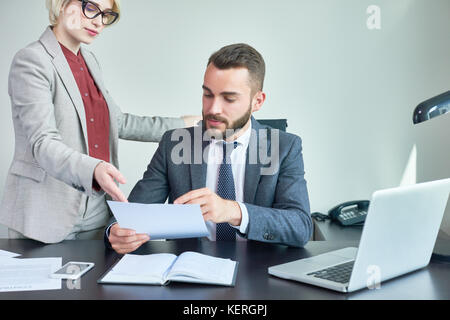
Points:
(340, 273)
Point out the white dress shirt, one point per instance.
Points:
(238, 158)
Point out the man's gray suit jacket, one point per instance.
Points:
(275, 193)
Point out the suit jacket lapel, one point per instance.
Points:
(93, 68)
(253, 165)
(198, 176)
(50, 43)
(198, 168)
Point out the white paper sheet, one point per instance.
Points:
(191, 266)
(7, 254)
(29, 274)
(161, 221)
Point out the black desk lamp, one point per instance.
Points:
(431, 108)
(426, 110)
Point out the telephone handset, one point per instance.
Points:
(350, 212)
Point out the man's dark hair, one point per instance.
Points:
(241, 55)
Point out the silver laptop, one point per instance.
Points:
(398, 237)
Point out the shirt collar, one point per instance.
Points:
(69, 54)
(243, 139)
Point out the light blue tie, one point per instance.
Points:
(226, 190)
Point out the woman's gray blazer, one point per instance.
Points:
(51, 174)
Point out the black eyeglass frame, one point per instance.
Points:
(84, 3)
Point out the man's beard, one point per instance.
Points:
(229, 129)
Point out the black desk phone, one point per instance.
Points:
(350, 212)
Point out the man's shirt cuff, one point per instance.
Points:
(107, 230)
(244, 220)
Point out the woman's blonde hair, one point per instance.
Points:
(55, 6)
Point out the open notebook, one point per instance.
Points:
(161, 268)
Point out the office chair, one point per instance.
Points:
(280, 124)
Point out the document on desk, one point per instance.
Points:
(161, 268)
(29, 274)
(7, 254)
(161, 221)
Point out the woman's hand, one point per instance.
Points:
(104, 174)
(191, 121)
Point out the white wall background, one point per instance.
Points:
(348, 91)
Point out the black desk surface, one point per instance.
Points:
(252, 283)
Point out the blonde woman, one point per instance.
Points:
(67, 128)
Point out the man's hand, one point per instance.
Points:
(213, 207)
(191, 121)
(104, 174)
(124, 241)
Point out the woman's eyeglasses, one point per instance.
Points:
(92, 11)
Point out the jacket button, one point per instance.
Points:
(266, 236)
(79, 188)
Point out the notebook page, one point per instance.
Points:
(197, 267)
(140, 268)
